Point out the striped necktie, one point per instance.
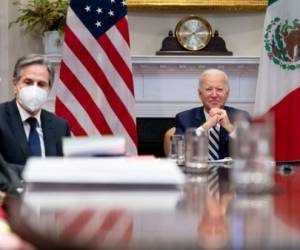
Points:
(213, 182)
(213, 143)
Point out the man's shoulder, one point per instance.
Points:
(53, 117)
(4, 106)
(234, 112)
(189, 112)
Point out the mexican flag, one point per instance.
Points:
(278, 86)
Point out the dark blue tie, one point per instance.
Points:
(33, 139)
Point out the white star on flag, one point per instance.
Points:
(98, 24)
(99, 10)
(110, 13)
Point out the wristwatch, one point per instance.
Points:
(193, 32)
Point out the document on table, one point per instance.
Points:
(94, 146)
(105, 199)
(108, 170)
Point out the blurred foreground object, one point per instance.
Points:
(177, 149)
(196, 153)
(253, 153)
(109, 170)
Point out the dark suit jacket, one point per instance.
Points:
(10, 181)
(195, 117)
(13, 142)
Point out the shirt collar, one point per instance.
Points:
(205, 114)
(25, 115)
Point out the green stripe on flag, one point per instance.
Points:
(272, 1)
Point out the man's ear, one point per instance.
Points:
(228, 92)
(15, 86)
(199, 95)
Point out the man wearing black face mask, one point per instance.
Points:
(25, 128)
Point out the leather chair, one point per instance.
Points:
(166, 140)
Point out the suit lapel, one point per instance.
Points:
(15, 122)
(200, 117)
(48, 134)
(224, 135)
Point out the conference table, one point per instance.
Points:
(187, 217)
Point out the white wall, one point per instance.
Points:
(241, 31)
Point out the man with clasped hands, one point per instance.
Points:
(213, 92)
(33, 77)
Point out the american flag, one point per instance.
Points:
(95, 91)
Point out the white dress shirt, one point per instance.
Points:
(24, 116)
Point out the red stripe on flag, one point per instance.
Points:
(96, 72)
(117, 61)
(61, 110)
(85, 100)
(122, 26)
(73, 229)
(127, 236)
(109, 225)
(287, 124)
(92, 228)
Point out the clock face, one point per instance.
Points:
(193, 32)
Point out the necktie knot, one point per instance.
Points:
(32, 122)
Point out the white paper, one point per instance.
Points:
(135, 200)
(107, 170)
(93, 145)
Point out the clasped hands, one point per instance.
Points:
(215, 116)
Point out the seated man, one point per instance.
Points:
(25, 128)
(213, 117)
